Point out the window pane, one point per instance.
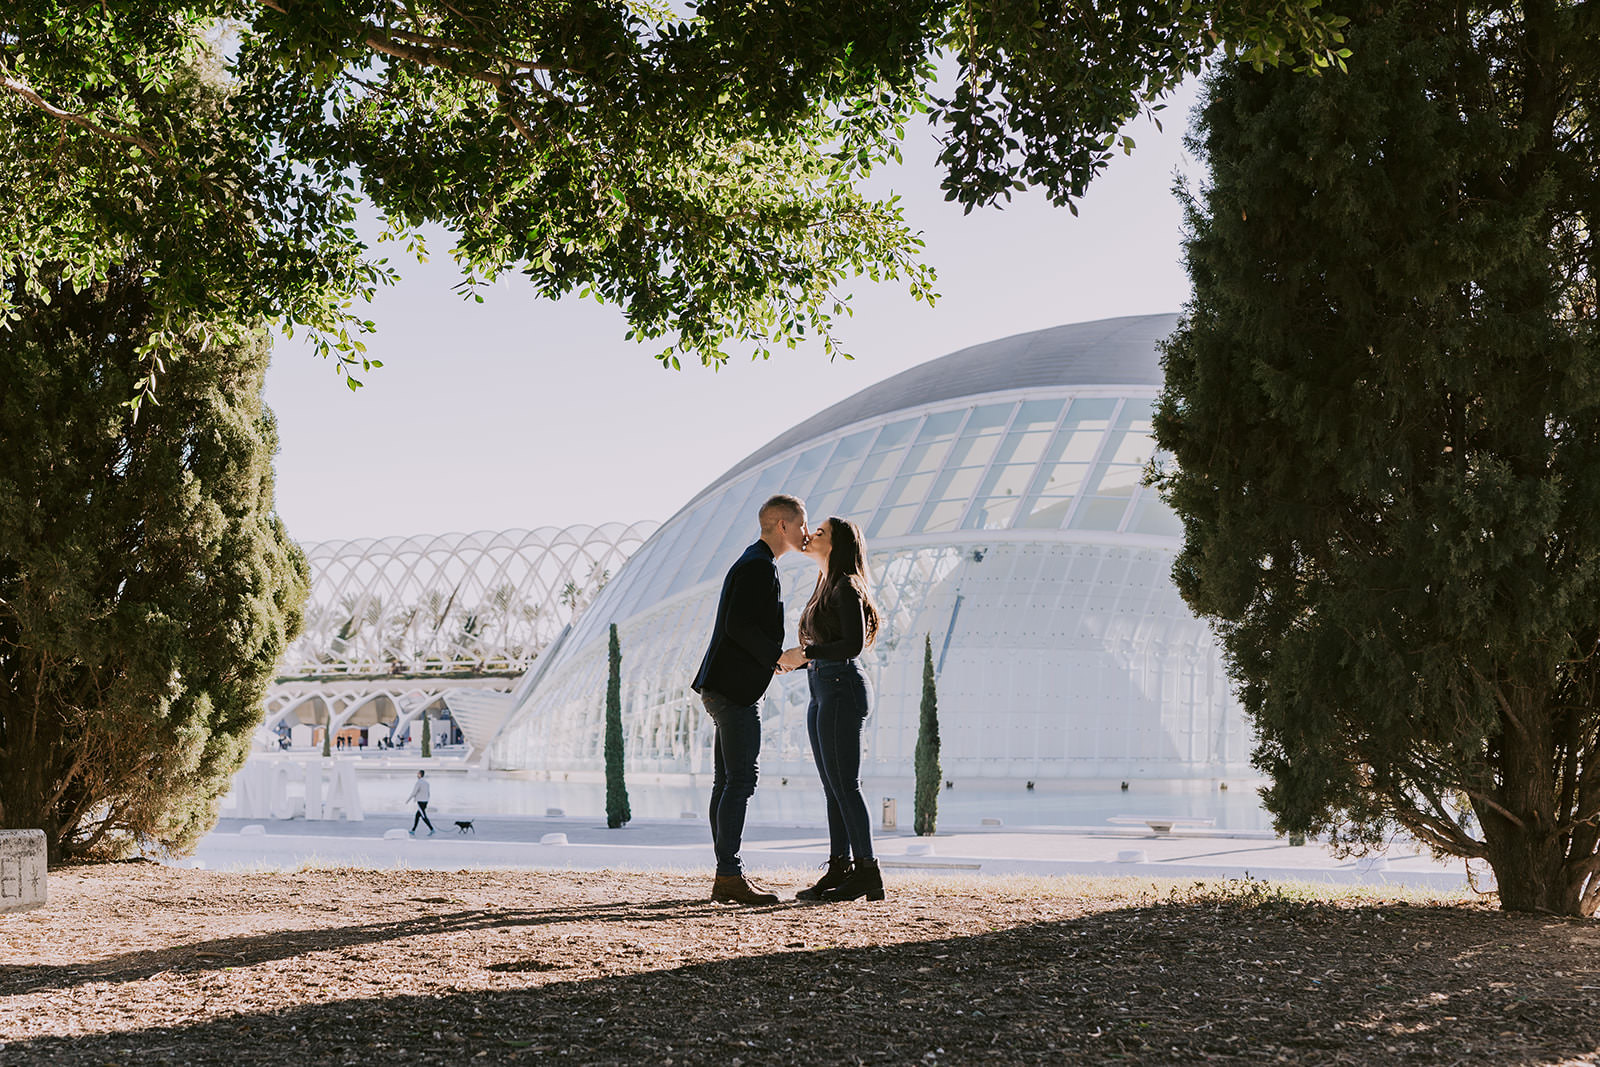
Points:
(1115, 481)
(942, 426)
(956, 484)
(842, 463)
(1037, 415)
(1128, 447)
(927, 456)
(878, 465)
(1152, 516)
(1097, 514)
(1009, 480)
(893, 522)
(1048, 514)
(824, 506)
(910, 490)
(988, 418)
(1064, 479)
(861, 499)
(887, 451)
(806, 467)
(1136, 415)
(992, 514)
(894, 435)
(974, 451)
(942, 517)
(1024, 447)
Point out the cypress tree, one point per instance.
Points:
(427, 737)
(147, 586)
(327, 737)
(617, 811)
(1383, 406)
(929, 774)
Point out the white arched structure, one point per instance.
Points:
(1000, 489)
(438, 625)
(446, 603)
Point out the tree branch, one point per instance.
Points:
(424, 50)
(26, 92)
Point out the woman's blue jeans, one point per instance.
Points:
(834, 719)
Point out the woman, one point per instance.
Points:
(837, 624)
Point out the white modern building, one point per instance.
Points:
(1000, 490)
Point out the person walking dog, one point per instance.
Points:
(419, 793)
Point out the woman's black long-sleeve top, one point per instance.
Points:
(840, 624)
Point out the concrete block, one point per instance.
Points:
(919, 848)
(991, 822)
(1132, 855)
(554, 813)
(553, 839)
(396, 835)
(24, 882)
(255, 829)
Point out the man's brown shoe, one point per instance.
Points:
(735, 889)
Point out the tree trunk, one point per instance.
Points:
(1529, 859)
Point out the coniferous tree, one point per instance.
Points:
(617, 811)
(929, 774)
(147, 587)
(427, 737)
(1384, 409)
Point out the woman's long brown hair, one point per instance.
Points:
(847, 564)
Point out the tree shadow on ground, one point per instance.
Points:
(1187, 981)
(248, 949)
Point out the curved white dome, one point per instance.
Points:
(1000, 492)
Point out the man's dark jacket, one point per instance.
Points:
(748, 636)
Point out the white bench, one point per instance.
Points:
(1160, 824)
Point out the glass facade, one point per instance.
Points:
(1009, 527)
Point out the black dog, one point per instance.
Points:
(463, 825)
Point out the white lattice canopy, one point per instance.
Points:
(449, 603)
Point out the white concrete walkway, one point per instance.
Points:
(685, 845)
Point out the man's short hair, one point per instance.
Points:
(781, 506)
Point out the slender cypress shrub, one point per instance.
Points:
(617, 810)
(928, 772)
(427, 737)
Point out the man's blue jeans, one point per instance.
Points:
(733, 780)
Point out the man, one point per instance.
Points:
(419, 794)
(746, 645)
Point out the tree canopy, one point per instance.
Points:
(1383, 406)
(699, 168)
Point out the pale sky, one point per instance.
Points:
(520, 412)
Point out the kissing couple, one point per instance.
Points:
(838, 623)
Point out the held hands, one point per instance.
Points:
(791, 659)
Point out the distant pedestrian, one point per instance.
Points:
(419, 793)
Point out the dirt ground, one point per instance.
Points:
(140, 964)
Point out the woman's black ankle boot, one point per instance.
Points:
(864, 880)
(838, 870)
